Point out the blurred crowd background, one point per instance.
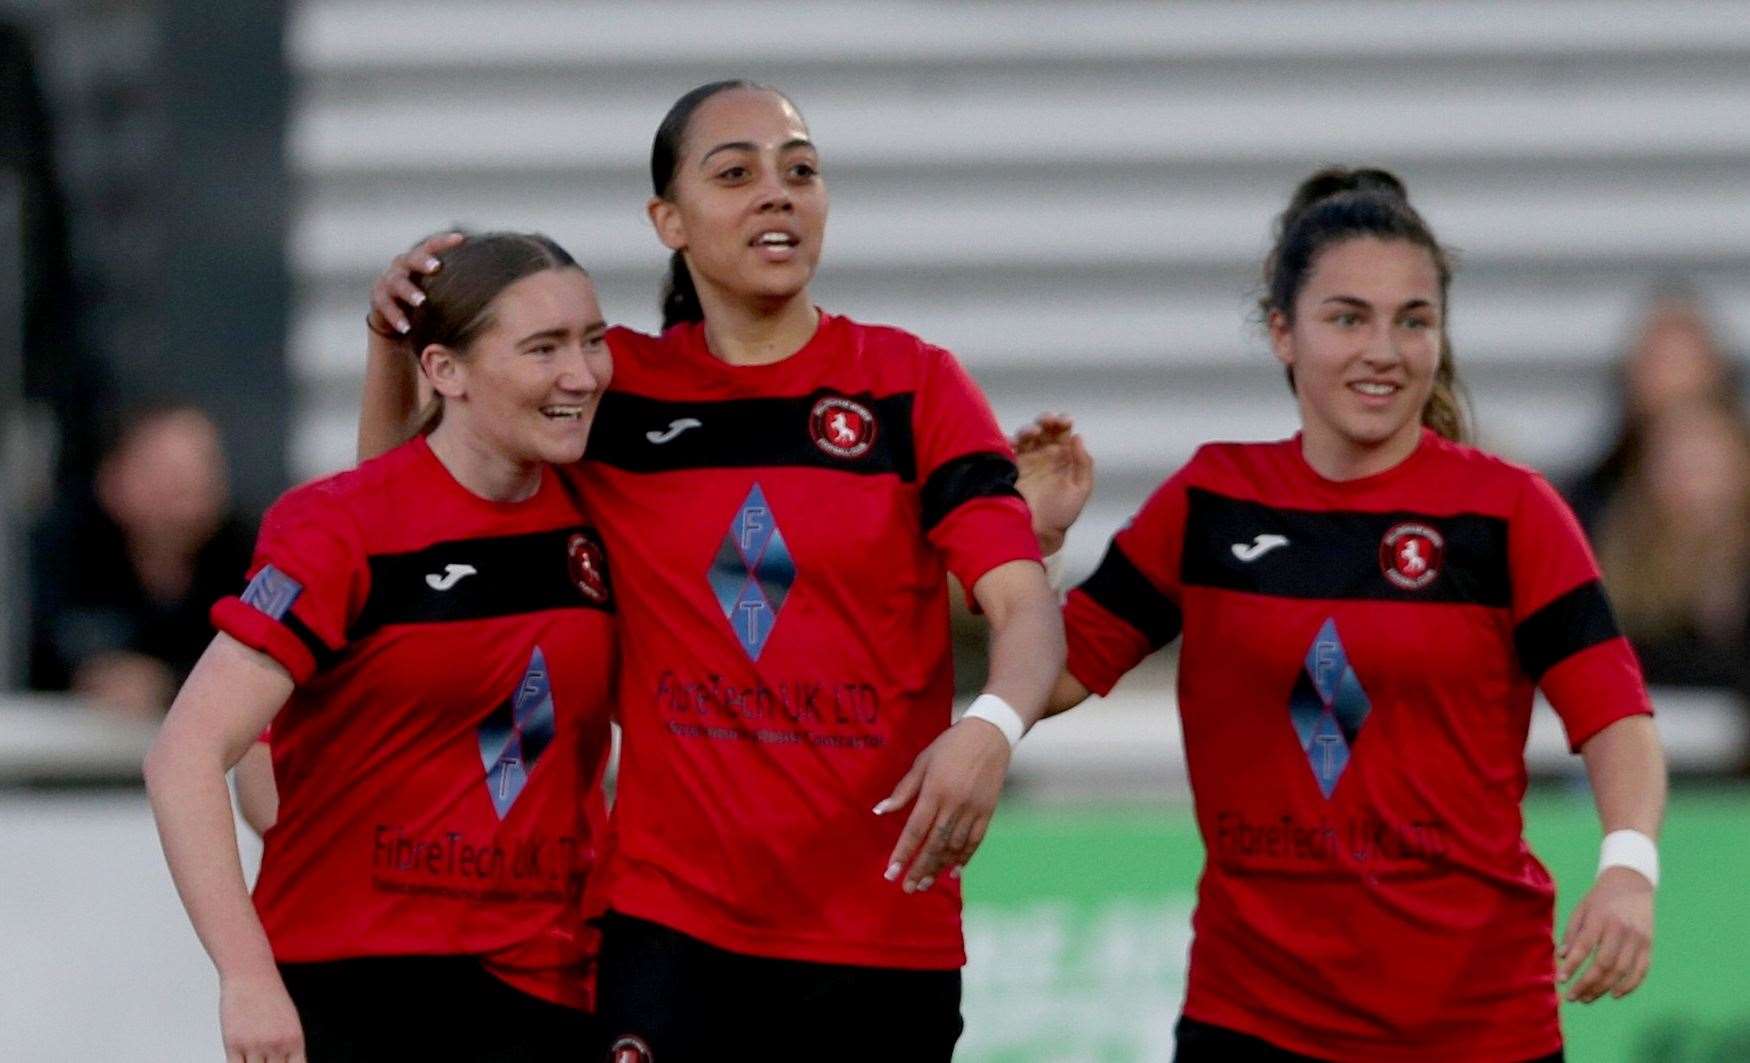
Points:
(1074, 198)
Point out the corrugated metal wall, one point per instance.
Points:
(1073, 197)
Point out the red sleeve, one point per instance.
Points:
(1129, 607)
(970, 507)
(1564, 630)
(306, 584)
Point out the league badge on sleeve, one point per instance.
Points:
(1410, 555)
(588, 565)
(272, 592)
(842, 428)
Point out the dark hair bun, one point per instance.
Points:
(1338, 180)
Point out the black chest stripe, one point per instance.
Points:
(1334, 554)
(640, 434)
(1122, 590)
(475, 579)
(1578, 620)
(965, 478)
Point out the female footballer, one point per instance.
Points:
(784, 490)
(1366, 610)
(432, 636)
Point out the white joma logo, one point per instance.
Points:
(453, 574)
(675, 428)
(1258, 547)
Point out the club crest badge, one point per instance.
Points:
(1410, 555)
(842, 428)
(588, 565)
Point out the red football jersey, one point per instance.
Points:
(786, 530)
(1355, 686)
(439, 763)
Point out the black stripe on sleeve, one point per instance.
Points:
(963, 479)
(1578, 620)
(325, 657)
(1122, 590)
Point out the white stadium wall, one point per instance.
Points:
(1075, 198)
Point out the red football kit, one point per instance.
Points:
(439, 762)
(1355, 686)
(785, 531)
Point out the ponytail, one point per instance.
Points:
(1448, 408)
(680, 299)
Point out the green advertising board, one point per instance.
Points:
(1078, 920)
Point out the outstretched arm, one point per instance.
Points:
(1613, 924)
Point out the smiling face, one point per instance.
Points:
(1364, 344)
(528, 384)
(747, 204)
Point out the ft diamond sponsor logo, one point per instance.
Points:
(516, 734)
(1328, 707)
(752, 573)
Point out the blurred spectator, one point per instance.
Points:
(1675, 547)
(1677, 357)
(123, 581)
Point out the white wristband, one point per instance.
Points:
(994, 710)
(1630, 849)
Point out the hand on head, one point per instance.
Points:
(397, 289)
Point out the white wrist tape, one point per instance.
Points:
(1630, 849)
(994, 710)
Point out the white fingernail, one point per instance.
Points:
(402, 327)
(880, 808)
(926, 883)
(417, 299)
(954, 872)
(432, 265)
(893, 871)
